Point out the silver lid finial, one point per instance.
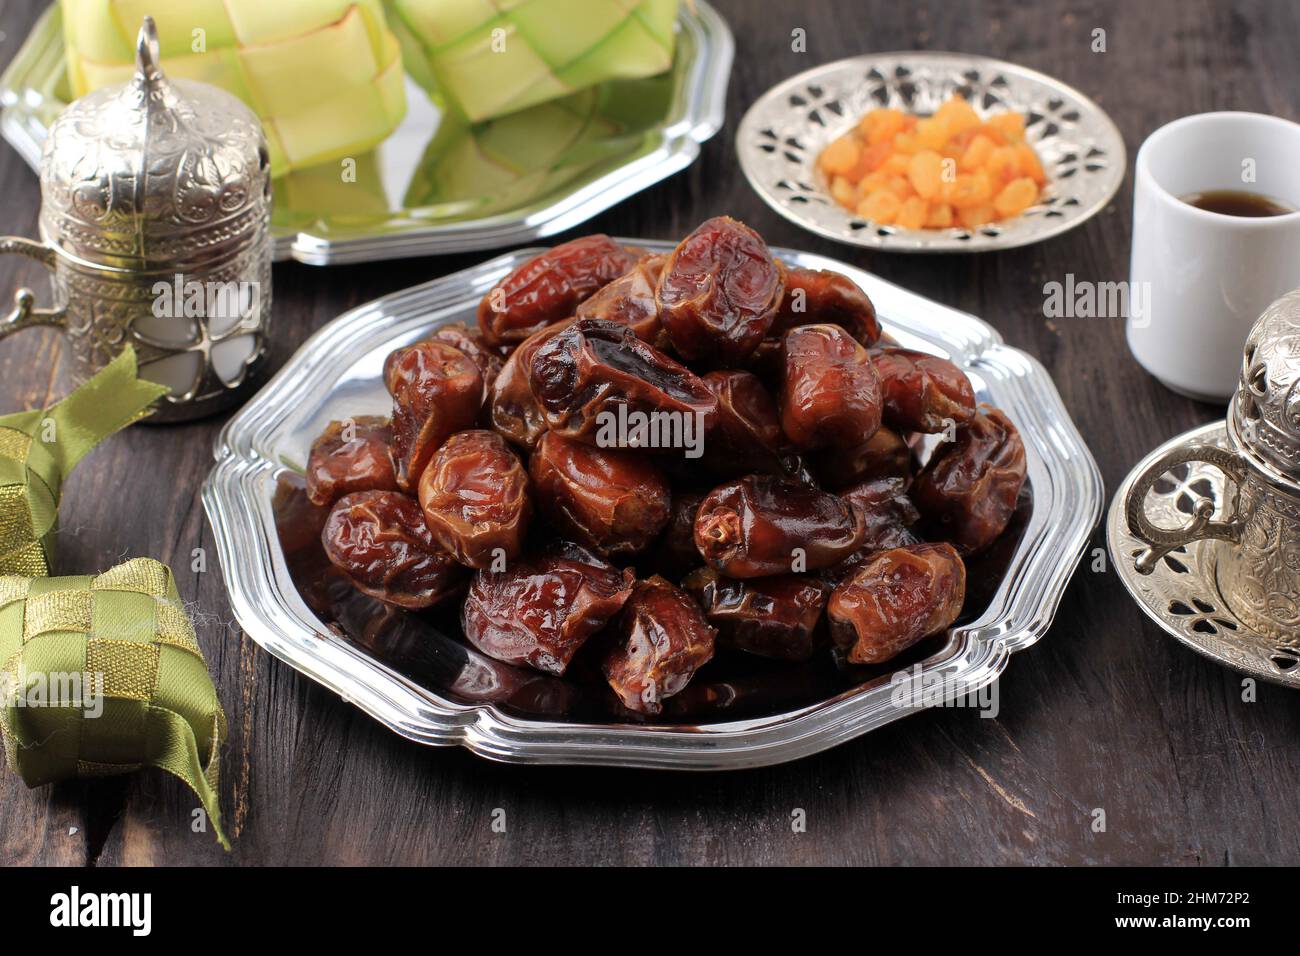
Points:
(147, 56)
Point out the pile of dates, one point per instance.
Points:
(642, 457)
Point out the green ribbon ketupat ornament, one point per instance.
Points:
(104, 676)
(39, 448)
(100, 674)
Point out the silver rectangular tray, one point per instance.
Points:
(337, 374)
(633, 134)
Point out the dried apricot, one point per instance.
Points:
(959, 116)
(1017, 196)
(924, 173)
(1010, 125)
(898, 164)
(900, 187)
(912, 214)
(870, 183)
(940, 216)
(873, 157)
(880, 126)
(907, 142)
(842, 190)
(1003, 164)
(973, 216)
(932, 133)
(1030, 164)
(840, 156)
(977, 153)
(971, 189)
(881, 207)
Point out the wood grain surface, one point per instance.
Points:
(1105, 712)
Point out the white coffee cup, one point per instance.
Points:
(1204, 277)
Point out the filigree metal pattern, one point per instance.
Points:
(145, 173)
(1261, 578)
(1185, 594)
(1266, 408)
(783, 133)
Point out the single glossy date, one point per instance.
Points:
(608, 499)
(746, 436)
(762, 525)
(819, 296)
(719, 292)
(888, 513)
(548, 287)
(437, 390)
(895, 599)
(515, 412)
(922, 392)
(351, 455)
(884, 455)
(543, 609)
(475, 498)
(380, 541)
(663, 639)
(830, 393)
(888, 516)
(775, 617)
(597, 382)
(630, 300)
(968, 490)
(471, 342)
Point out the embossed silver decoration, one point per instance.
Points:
(784, 132)
(338, 373)
(1253, 525)
(1184, 591)
(1265, 412)
(155, 212)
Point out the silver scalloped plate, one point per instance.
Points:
(782, 134)
(395, 204)
(1182, 594)
(337, 373)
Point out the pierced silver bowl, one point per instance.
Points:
(784, 132)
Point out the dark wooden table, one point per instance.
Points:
(1106, 712)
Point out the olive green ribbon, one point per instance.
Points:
(39, 448)
(99, 674)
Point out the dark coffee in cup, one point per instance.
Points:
(1237, 202)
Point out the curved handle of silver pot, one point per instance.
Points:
(1164, 540)
(24, 314)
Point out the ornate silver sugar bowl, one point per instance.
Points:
(1259, 574)
(155, 220)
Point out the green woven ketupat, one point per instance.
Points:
(492, 57)
(98, 675)
(102, 675)
(39, 448)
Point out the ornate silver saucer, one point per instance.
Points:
(1182, 593)
(782, 134)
